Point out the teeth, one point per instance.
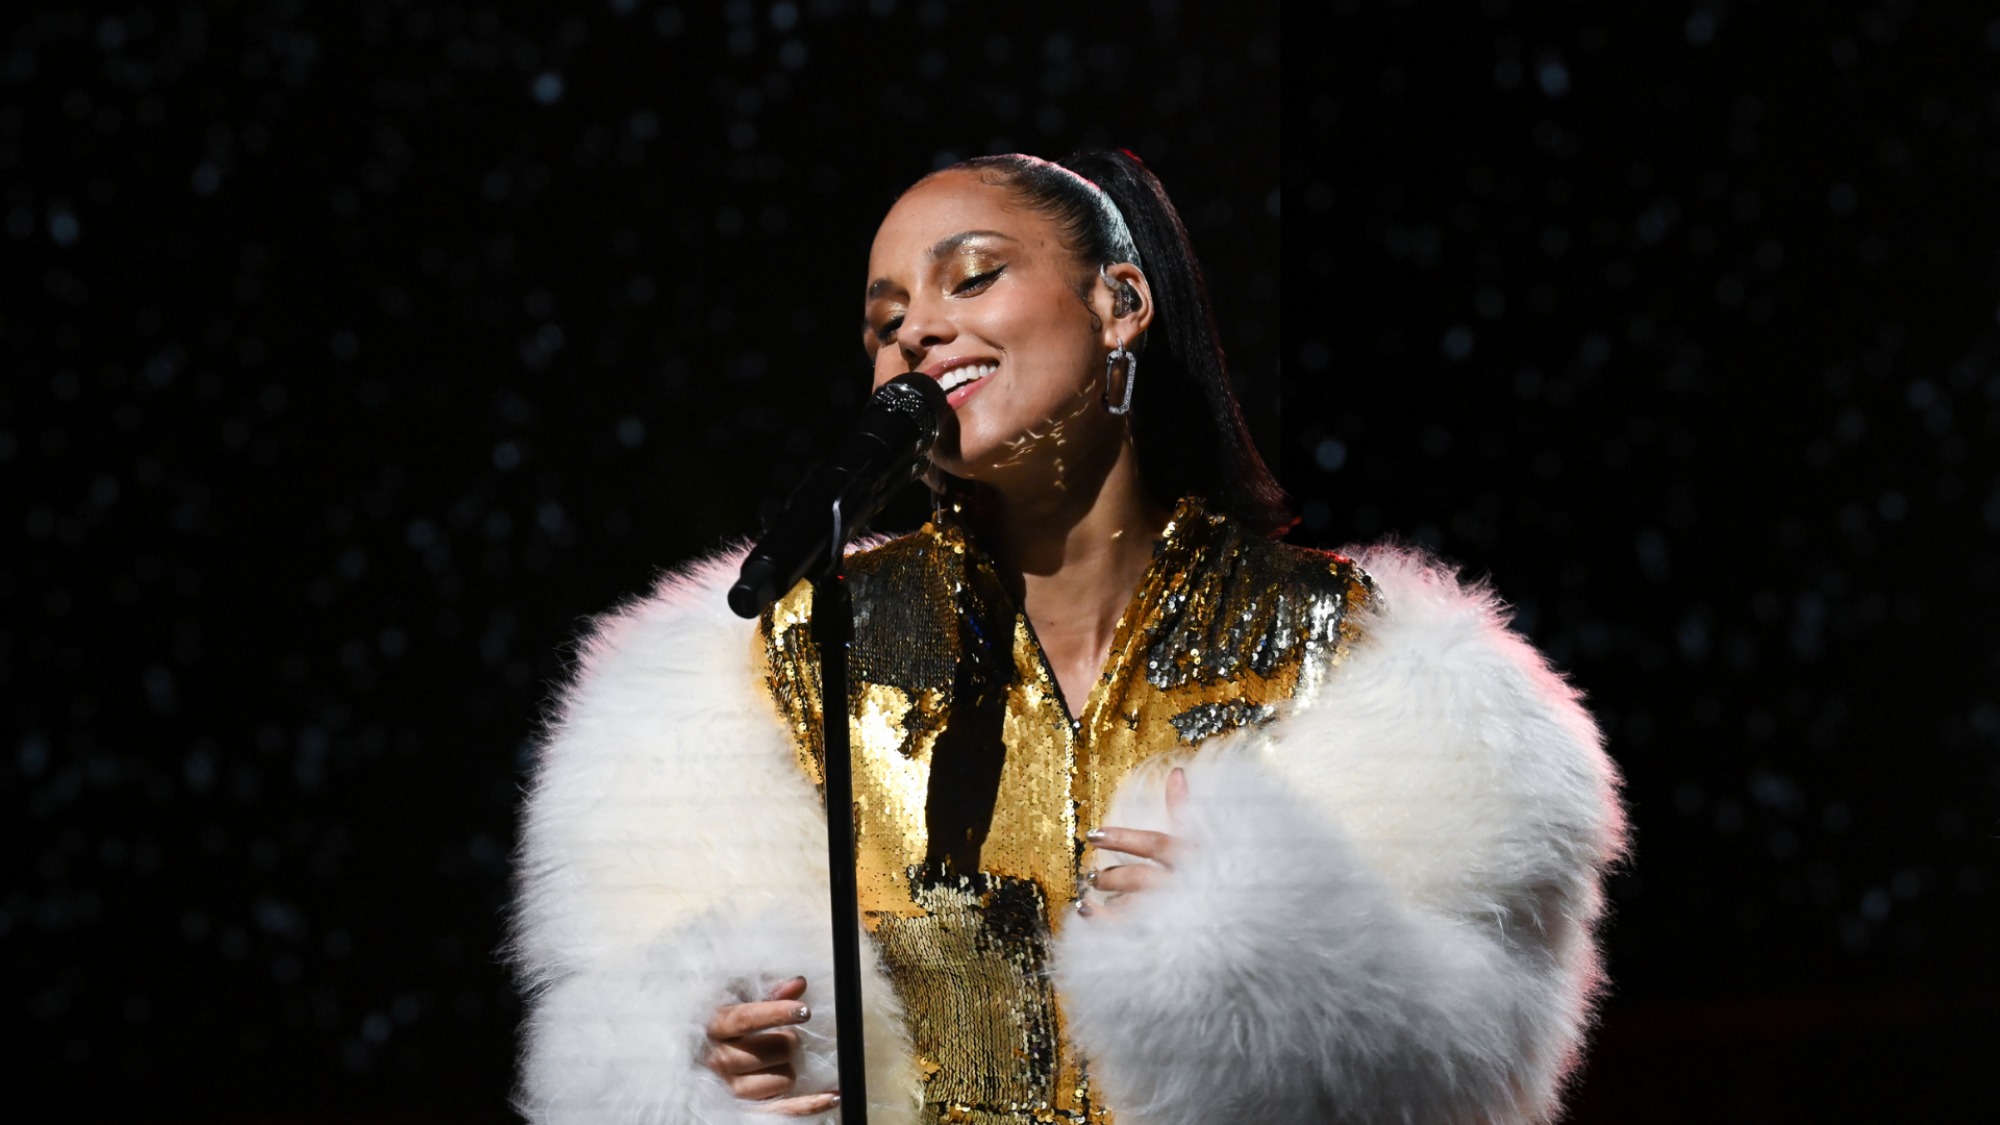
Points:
(960, 376)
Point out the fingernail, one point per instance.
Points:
(836, 1098)
(1090, 880)
(1094, 834)
(1083, 908)
(802, 1013)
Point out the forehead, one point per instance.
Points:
(950, 204)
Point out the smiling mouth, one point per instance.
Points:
(964, 376)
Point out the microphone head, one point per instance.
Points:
(919, 398)
(755, 588)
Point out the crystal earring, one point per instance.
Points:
(1124, 298)
(1131, 376)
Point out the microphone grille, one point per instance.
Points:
(918, 398)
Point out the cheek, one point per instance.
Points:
(888, 364)
(1059, 352)
(1044, 331)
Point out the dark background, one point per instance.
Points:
(353, 355)
(1679, 321)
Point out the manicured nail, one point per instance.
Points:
(1094, 834)
(833, 1099)
(802, 1013)
(1090, 880)
(1083, 908)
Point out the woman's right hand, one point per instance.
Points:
(751, 1047)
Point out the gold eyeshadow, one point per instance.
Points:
(881, 314)
(971, 261)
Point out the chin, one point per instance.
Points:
(979, 456)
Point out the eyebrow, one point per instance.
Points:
(947, 245)
(943, 247)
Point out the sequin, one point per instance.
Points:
(974, 789)
(1208, 719)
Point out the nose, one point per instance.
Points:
(925, 326)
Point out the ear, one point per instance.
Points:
(1138, 316)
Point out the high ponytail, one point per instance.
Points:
(1186, 427)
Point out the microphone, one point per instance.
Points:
(885, 451)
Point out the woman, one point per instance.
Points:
(1156, 816)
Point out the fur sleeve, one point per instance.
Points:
(673, 858)
(1382, 911)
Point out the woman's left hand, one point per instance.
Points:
(1131, 878)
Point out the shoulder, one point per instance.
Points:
(1304, 571)
(876, 568)
(906, 603)
(651, 671)
(877, 554)
(1454, 638)
(1305, 596)
(879, 570)
(1440, 723)
(683, 622)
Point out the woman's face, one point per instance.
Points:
(980, 293)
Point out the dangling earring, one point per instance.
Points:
(1131, 376)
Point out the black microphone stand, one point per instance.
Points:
(884, 452)
(833, 631)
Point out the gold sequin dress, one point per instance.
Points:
(974, 788)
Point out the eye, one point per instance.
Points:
(977, 282)
(887, 331)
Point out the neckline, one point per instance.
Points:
(1181, 541)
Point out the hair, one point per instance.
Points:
(1187, 429)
